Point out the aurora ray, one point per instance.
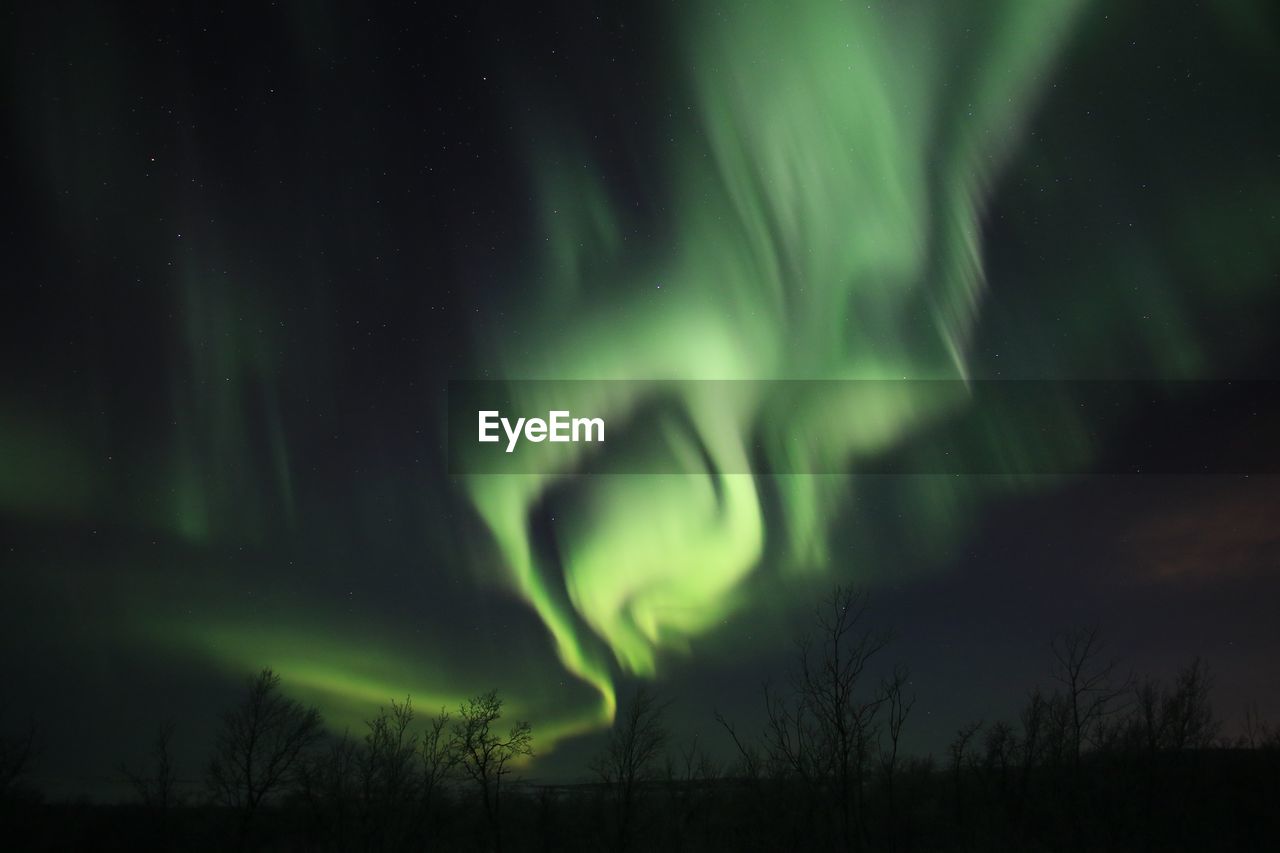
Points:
(829, 192)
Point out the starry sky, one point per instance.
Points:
(247, 252)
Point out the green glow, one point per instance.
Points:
(825, 224)
(224, 373)
(46, 471)
(349, 679)
(822, 202)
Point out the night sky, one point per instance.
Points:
(246, 250)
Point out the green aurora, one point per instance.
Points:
(826, 196)
(830, 195)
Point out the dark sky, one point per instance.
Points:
(246, 252)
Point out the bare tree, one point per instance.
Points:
(260, 748)
(696, 765)
(1089, 684)
(484, 755)
(628, 759)
(389, 774)
(439, 759)
(1000, 751)
(687, 776)
(822, 732)
(1146, 725)
(1258, 734)
(330, 786)
(898, 706)
(390, 747)
(748, 755)
(1187, 715)
(1033, 722)
(157, 787)
(959, 752)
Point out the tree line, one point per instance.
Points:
(1095, 759)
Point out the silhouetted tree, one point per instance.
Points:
(1000, 748)
(999, 757)
(960, 755)
(157, 787)
(1258, 734)
(439, 760)
(687, 776)
(1188, 719)
(329, 782)
(1144, 728)
(898, 707)
(750, 762)
(1088, 682)
(823, 731)
(485, 756)
(1032, 718)
(259, 748)
(389, 779)
(819, 736)
(629, 758)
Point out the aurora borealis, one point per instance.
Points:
(247, 254)
(811, 214)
